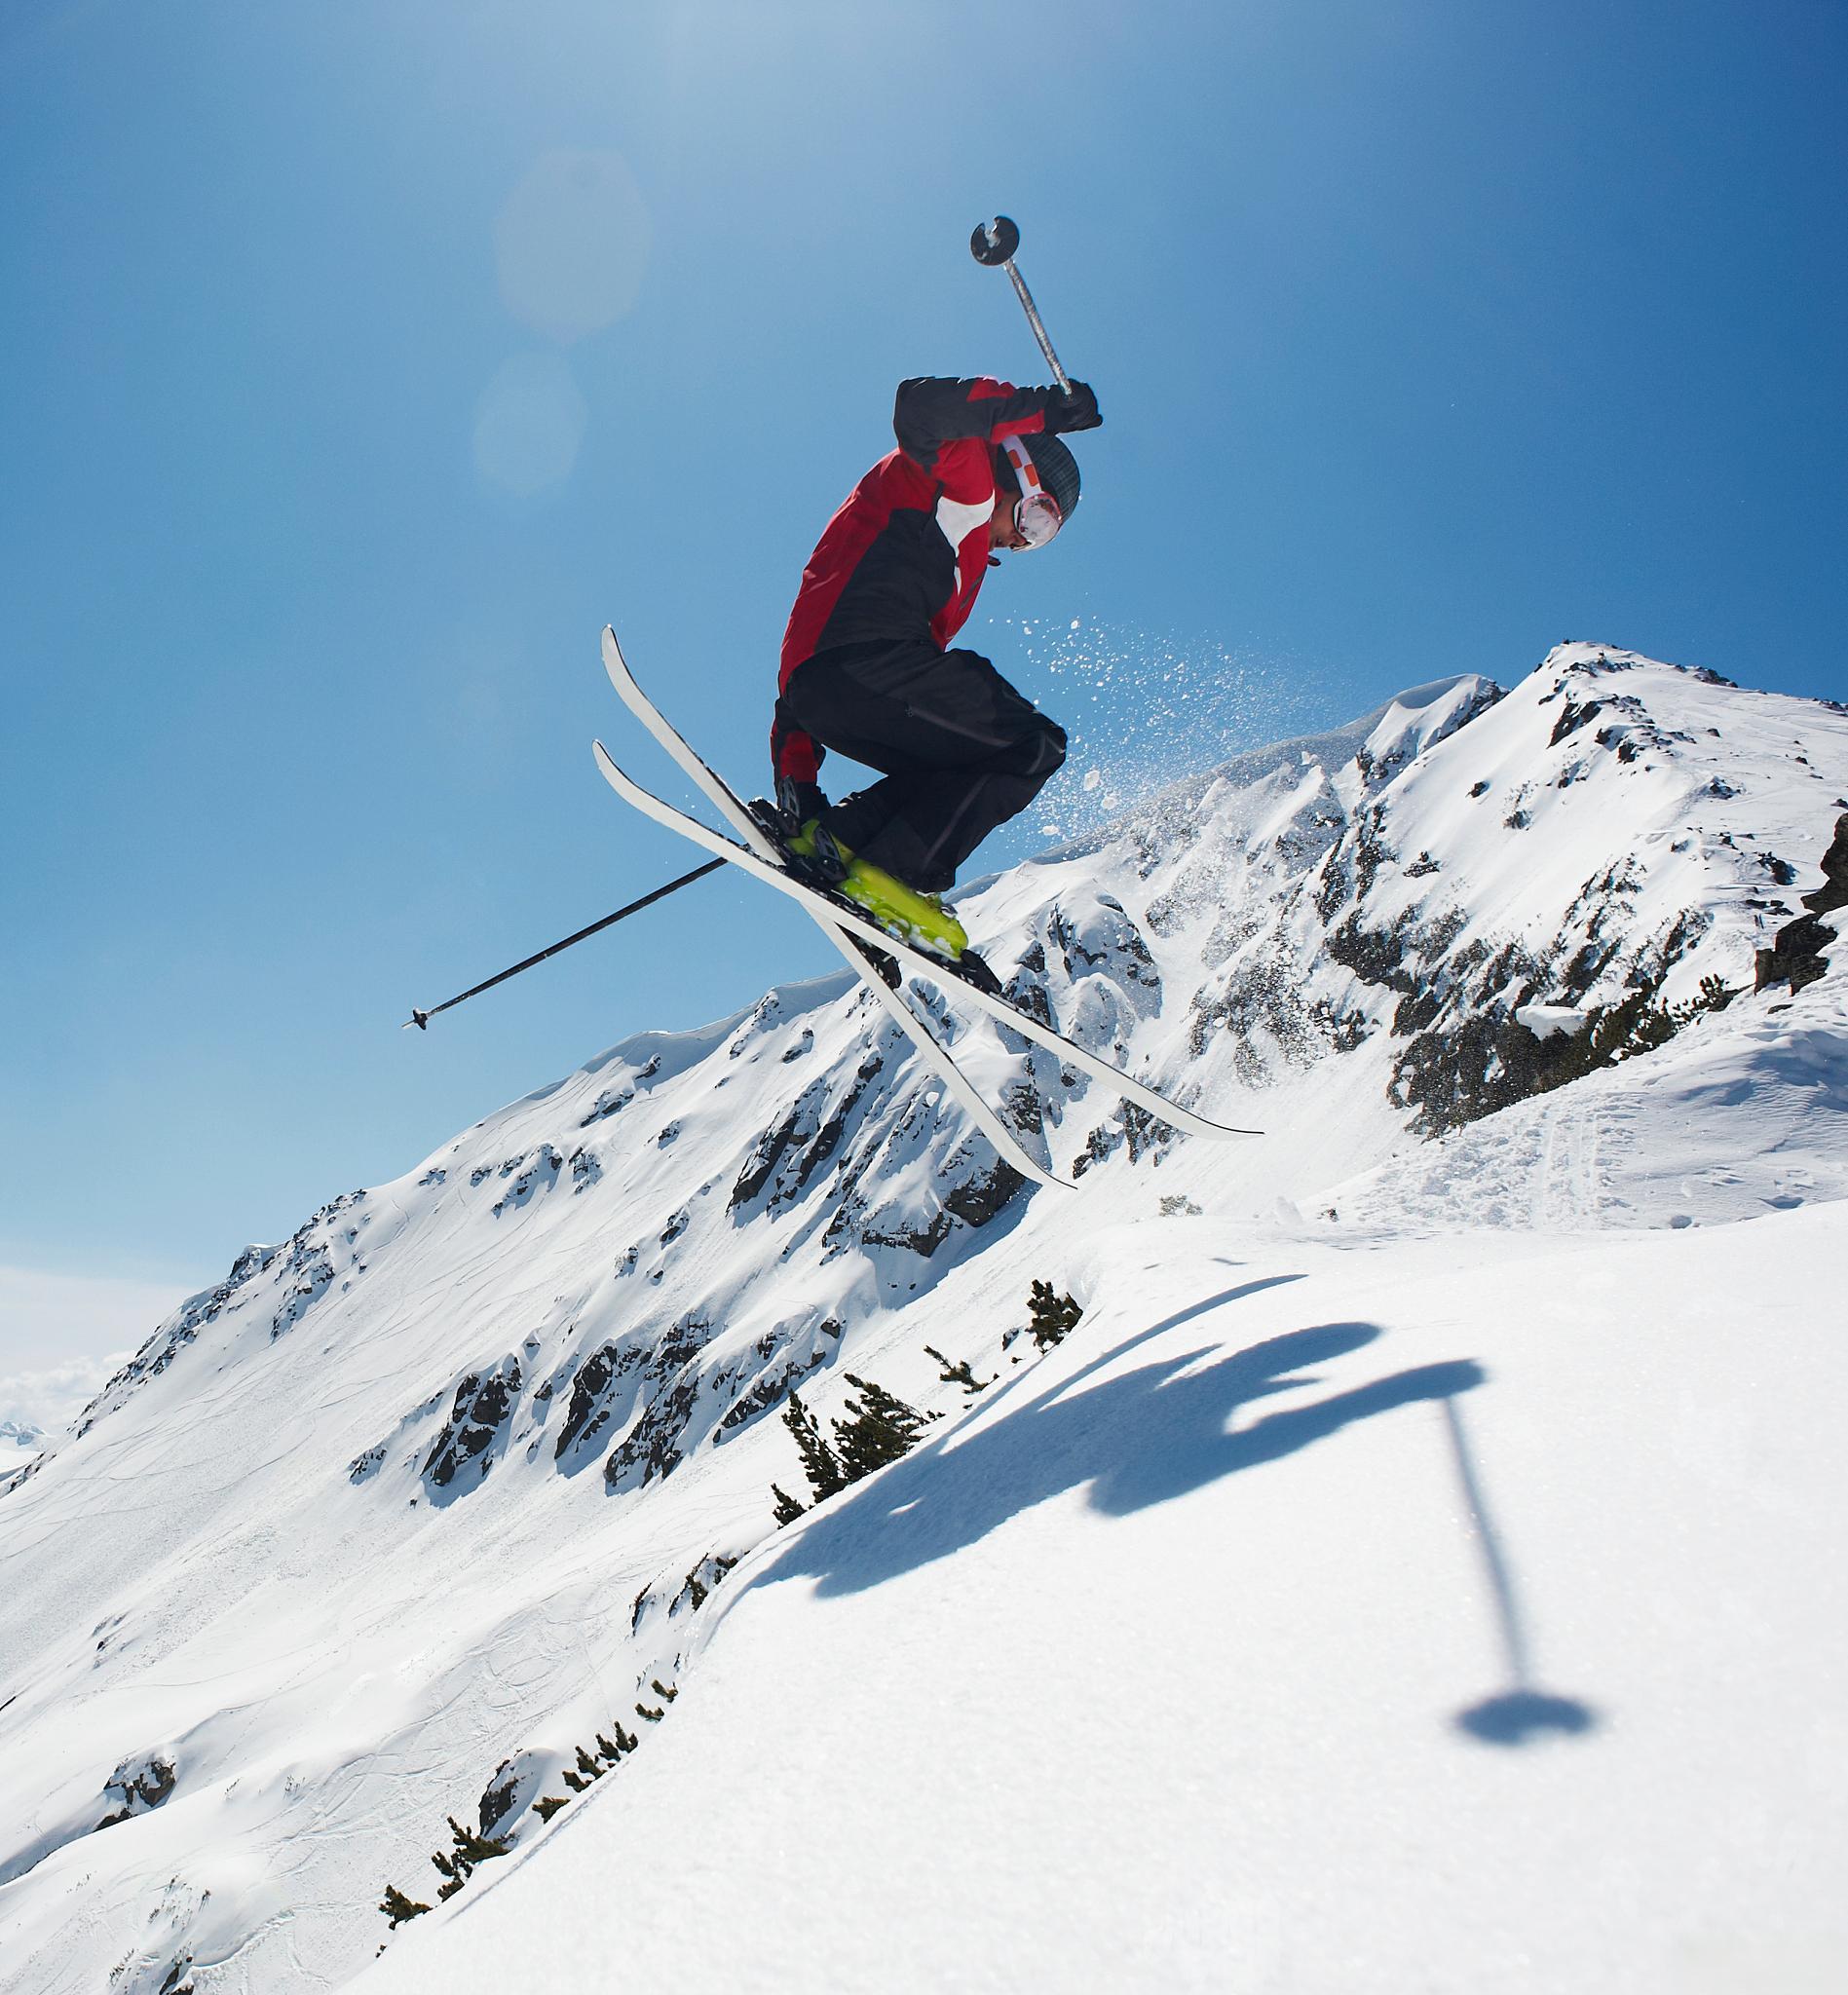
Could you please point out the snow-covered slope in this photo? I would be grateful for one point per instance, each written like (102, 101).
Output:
(413, 1507)
(1462, 1618)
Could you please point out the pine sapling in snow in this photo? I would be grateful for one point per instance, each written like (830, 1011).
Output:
(1050, 1318)
(471, 1849)
(825, 1475)
(879, 1430)
(397, 1907)
(590, 1767)
(694, 1590)
(958, 1374)
(589, 1770)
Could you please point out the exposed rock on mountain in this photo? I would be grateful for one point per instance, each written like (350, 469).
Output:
(1796, 957)
(476, 1432)
(139, 1784)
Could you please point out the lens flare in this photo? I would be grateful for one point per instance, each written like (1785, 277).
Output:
(529, 425)
(570, 244)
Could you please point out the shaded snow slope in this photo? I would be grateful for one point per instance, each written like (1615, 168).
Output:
(422, 1502)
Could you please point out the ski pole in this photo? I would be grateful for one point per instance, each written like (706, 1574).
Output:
(995, 243)
(420, 1019)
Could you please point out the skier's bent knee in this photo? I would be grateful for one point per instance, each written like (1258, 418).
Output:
(1040, 754)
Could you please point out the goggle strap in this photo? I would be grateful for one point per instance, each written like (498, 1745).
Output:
(1025, 469)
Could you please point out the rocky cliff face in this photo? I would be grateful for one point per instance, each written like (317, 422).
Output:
(1797, 957)
(1352, 941)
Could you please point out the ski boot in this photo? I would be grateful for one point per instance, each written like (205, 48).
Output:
(917, 918)
(905, 912)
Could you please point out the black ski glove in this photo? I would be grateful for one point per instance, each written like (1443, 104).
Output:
(1076, 410)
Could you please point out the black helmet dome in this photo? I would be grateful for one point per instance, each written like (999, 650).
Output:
(1058, 470)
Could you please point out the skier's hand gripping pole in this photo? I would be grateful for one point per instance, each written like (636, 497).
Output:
(995, 243)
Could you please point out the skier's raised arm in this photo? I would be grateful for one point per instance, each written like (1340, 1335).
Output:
(950, 427)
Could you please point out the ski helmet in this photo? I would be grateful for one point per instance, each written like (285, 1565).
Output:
(1056, 465)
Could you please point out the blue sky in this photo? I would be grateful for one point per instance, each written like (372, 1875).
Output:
(360, 359)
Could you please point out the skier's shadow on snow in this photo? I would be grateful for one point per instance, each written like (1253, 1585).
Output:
(1138, 1439)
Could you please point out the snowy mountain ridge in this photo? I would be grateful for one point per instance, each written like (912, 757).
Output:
(393, 1520)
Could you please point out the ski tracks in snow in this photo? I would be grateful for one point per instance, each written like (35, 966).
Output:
(1544, 1167)
(1569, 1188)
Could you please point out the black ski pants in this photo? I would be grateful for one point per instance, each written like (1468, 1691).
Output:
(962, 751)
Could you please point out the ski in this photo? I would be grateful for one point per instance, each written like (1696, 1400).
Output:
(716, 790)
(843, 917)
(1005, 1144)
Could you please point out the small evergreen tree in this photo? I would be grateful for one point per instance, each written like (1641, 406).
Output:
(471, 1849)
(958, 1374)
(785, 1509)
(825, 1475)
(880, 1429)
(549, 1805)
(397, 1907)
(694, 1590)
(1050, 1318)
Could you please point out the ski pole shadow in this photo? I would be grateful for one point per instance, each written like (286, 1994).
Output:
(1137, 1438)
(1524, 1712)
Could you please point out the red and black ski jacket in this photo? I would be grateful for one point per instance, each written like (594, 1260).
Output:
(905, 556)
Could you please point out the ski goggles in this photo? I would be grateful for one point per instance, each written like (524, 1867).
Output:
(1037, 514)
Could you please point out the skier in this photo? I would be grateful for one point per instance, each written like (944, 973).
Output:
(866, 668)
